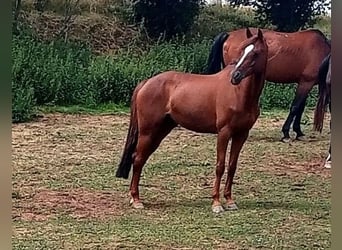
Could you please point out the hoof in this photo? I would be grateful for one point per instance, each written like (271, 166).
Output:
(301, 138)
(232, 206)
(136, 204)
(217, 209)
(327, 164)
(285, 139)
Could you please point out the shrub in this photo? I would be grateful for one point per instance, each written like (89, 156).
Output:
(23, 101)
(280, 96)
(166, 18)
(216, 19)
(65, 74)
(116, 77)
(55, 70)
(302, 13)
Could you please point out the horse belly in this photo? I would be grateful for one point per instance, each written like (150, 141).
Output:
(194, 116)
(200, 126)
(283, 71)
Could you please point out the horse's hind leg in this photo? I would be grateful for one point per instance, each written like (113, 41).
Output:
(297, 120)
(147, 144)
(143, 151)
(302, 92)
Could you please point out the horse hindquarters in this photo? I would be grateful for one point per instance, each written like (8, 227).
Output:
(153, 126)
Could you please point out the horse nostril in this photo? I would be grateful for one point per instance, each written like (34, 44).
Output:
(236, 77)
(237, 74)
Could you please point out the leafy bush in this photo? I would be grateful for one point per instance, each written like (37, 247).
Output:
(116, 77)
(23, 101)
(65, 74)
(55, 70)
(166, 18)
(280, 96)
(303, 12)
(215, 19)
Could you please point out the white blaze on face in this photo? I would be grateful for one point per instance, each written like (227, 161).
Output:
(248, 49)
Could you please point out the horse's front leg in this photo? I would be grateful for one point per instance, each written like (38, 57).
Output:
(237, 142)
(222, 144)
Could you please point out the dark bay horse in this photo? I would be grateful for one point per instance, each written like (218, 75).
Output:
(292, 58)
(225, 103)
(324, 99)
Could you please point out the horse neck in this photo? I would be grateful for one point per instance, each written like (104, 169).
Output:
(249, 91)
(252, 90)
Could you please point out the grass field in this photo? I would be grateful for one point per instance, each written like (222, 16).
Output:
(66, 196)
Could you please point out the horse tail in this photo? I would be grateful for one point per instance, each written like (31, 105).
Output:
(215, 58)
(322, 95)
(131, 140)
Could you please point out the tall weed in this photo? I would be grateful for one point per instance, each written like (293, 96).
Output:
(67, 74)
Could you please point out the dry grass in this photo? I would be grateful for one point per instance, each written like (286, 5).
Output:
(104, 35)
(65, 194)
(90, 6)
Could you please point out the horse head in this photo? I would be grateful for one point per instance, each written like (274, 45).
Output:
(252, 59)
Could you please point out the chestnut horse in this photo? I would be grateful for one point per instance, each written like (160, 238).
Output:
(292, 58)
(324, 99)
(226, 104)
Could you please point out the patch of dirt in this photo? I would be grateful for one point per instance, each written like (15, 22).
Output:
(78, 203)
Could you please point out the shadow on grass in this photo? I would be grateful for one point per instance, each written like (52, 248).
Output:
(277, 139)
(293, 205)
(299, 205)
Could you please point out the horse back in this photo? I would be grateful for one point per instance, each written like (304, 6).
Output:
(291, 56)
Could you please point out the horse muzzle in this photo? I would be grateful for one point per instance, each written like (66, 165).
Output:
(237, 76)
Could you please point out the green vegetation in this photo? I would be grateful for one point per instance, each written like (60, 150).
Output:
(303, 13)
(66, 74)
(166, 18)
(55, 72)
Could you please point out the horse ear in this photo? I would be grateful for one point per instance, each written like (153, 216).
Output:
(248, 33)
(260, 35)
